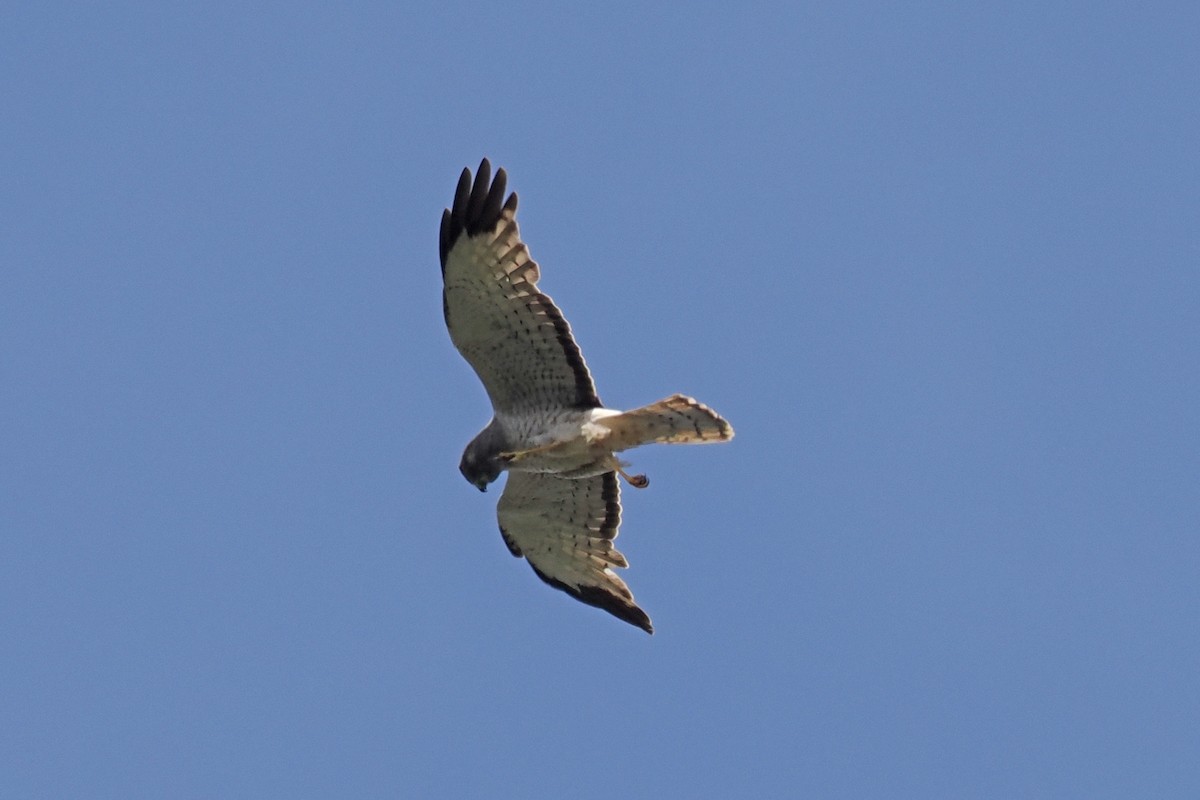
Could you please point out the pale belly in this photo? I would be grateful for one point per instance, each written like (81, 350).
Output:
(572, 447)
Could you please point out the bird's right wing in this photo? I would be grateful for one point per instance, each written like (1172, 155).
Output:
(564, 528)
(513, 336)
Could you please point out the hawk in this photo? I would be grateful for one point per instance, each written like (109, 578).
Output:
(561, 505)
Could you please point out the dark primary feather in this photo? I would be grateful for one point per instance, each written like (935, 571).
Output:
(599, 598)
(475, 209)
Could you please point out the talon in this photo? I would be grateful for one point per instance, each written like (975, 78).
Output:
(636, 481)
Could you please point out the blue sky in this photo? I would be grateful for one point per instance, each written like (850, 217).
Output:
(937, 264)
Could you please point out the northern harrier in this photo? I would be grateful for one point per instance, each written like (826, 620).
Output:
(561, 505)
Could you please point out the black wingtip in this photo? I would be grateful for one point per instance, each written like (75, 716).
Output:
(479, 193)
(636, 618)
(478, 205)
(462, 193)
(624, 610)
(444, 241)
(495, 196)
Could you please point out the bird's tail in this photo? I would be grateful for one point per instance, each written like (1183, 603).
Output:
(674, 420)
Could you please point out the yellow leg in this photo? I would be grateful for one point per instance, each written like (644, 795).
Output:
(636, 481)
(518, 455)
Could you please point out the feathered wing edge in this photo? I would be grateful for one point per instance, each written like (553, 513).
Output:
(564, 529)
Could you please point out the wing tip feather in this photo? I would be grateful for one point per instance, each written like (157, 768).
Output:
(479, 203)
(619, 607)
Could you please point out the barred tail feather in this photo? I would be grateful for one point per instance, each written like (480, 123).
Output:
(675, 420)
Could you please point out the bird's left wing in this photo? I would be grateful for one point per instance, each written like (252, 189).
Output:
(565, 529)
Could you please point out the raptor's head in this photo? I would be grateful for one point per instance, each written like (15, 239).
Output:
(480, 466)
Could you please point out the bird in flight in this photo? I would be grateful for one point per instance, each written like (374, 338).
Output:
(561, 504)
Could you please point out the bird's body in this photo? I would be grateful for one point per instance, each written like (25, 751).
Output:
(561, 505)
(570, 444)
